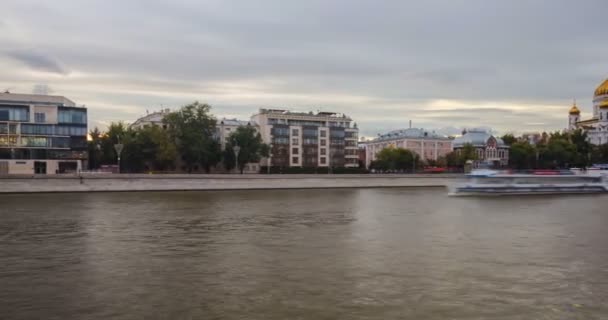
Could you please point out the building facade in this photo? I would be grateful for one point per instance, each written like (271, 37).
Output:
(427, 145)
(154, 118)
(323, 139)
(489, 149)
(596, 127)
(41, 134)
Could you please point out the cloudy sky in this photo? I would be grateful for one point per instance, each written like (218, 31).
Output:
(510, 65)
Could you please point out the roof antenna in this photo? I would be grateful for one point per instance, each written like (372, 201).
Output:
(410, 124)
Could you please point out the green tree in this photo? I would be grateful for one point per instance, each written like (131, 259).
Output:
(94, 149)
(557, 153)
(192, 129)
(509, 139)
(522, 155)
(583, 148)
(599, 154)
(396, 159)
(156, 148)
(458, 158)
(251, 147)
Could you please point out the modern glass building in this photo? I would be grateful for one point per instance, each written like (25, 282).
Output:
(41, 134)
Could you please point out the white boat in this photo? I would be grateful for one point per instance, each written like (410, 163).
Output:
(490, 182)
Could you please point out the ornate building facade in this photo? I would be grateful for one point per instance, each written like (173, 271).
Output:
(597, 126)
(490, 150)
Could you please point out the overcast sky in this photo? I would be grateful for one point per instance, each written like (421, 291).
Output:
(510, 65)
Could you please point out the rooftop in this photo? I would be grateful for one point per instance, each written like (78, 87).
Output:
(236, 122)
(477, 137)
(412, 133)
(6, 97)
(320, 114)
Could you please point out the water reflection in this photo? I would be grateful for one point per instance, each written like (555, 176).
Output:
(307, 254)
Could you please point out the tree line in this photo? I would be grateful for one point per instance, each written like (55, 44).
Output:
(186, 142)
(555, 150)
(403, 160)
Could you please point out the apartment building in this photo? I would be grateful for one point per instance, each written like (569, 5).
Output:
(41, 134)
(299, 139)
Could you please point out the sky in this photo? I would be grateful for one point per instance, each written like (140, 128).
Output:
(513, 66)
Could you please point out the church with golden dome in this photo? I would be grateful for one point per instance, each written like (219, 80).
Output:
(597, 126)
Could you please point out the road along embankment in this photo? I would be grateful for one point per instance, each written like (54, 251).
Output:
(179, 182)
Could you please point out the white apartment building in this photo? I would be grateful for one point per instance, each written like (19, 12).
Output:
(299, 139)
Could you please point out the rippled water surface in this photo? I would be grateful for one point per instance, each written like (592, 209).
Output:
(305, 254)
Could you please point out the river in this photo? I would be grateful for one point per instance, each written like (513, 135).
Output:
(302, 254)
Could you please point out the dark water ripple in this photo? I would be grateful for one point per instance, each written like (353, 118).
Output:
(312, 254)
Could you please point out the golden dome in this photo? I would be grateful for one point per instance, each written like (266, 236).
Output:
(574, 109)
(602, 89)
(604, 104)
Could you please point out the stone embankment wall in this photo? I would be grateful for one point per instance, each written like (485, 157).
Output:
(143, 182)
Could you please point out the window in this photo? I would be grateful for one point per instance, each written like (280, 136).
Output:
(34, 141)
(323, 151)
(323, 142)
(8, 140)
(295, 141)
(294, 160)
(72, 116)
(294, 151)
(280, 140)
(323, 160)
(16, 113)
(323, 133)
(39, 117)
(295, 132)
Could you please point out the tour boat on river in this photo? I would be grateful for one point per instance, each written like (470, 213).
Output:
(491, 182)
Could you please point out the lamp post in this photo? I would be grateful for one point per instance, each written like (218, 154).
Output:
(269, 159)
(118, 148)
(236, 149)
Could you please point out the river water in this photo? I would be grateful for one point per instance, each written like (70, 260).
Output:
(302, 254)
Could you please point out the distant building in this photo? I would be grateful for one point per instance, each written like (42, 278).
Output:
(596, 126)
(225, 127)
(489, 149)
(154, 118)
(41, 134)
(301, 139)
(532, 137)
(427, 145)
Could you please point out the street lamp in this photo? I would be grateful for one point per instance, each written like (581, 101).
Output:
(118, 148)
(236, 149)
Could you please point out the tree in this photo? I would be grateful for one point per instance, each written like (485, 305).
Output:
(580, 140)
(458, 158)
(251, 147)
(522, 155)
(192, 130)
(509, 139)
(557, 153)
(468, 152)
(156, 148)
(600, 154)
(395, 159)
(93, 149)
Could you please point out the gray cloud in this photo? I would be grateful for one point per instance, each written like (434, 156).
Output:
(38, 61)
(382, 63)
